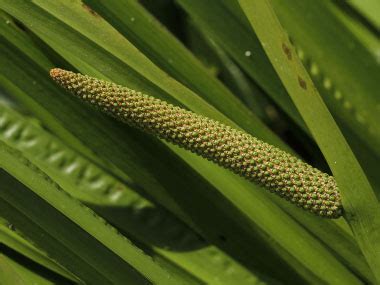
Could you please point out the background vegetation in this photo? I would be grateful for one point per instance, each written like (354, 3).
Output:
(85, 199)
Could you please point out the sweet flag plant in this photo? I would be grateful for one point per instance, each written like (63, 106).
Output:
(189, 142)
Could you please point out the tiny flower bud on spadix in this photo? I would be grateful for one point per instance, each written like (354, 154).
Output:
(233, 149)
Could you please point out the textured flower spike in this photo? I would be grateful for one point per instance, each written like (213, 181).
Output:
(235, 150)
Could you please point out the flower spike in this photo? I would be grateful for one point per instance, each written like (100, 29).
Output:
(233, 149)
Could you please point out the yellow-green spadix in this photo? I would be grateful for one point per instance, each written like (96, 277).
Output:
(233, 149)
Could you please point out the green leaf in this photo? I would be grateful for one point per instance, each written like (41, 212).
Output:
(19, 38)
(350, 94)
(215, 19)
(14, 273)
(14, 241)
(361, 207)
(71, 233)
(369, 9)
(77, 175)
(219, 62)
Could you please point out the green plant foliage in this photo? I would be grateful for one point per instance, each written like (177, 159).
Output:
(362, 209)
(12, 272)
(85, 199)
(95, 243)
(10, 238)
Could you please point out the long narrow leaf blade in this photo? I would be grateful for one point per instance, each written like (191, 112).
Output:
(95, 232)
(362, 209)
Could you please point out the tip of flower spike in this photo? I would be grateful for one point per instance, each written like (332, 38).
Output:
(83, 86)
(64, 78)
(56, 72)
